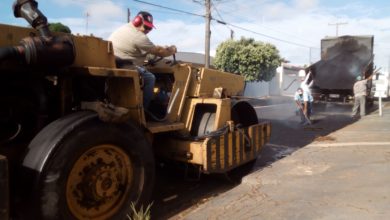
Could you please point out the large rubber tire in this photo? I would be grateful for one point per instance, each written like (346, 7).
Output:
(206, 125)
(95, 171)
(244, 114)
(204, 120)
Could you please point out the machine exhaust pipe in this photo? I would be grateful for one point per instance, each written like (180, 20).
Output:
(44, 50)
(28, 9)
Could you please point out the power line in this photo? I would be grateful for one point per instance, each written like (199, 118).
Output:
(226, 23)
(172, 9)
(264, 26)
(217, 31)
(219, 15)
(153, 11)
(201, 2)
(274, 38)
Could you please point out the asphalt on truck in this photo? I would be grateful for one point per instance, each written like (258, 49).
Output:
(342, 60)
(75, 140)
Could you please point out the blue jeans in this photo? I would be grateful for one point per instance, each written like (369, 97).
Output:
(149, 81)
(148, 78)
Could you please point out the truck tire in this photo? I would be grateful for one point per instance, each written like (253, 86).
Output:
(94, 170)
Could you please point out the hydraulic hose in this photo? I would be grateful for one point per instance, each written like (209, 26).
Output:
(11, 52)
(56, 51)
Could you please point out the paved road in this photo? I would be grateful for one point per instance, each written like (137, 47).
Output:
(175, 196)
(287, 133)
(335, 169)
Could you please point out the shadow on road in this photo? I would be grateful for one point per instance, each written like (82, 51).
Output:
(176, 193)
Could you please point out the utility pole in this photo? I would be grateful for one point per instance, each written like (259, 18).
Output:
(337, 24)
(388, 66)
(208, 33)
(231, 34)
(86, 23)
(128, 15)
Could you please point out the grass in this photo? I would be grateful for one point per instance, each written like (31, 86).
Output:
(140, 214)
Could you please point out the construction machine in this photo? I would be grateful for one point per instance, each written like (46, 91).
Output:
(75, 139)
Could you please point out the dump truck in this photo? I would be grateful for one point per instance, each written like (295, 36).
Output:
(75, 139)
(342, 60)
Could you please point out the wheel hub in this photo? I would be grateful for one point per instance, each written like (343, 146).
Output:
(98, 183)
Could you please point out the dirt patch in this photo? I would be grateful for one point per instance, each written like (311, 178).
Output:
(324, 138)
(312, 129)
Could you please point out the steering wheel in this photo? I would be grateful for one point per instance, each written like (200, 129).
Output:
(156, 59)
(153, 61)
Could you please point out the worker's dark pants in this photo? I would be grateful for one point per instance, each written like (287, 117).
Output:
(309, 112)
(360, 101)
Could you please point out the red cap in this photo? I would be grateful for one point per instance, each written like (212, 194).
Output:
(147, 19)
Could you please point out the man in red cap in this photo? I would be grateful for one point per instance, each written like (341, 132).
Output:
(131, 43)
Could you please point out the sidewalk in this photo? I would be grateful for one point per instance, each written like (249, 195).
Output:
(345, 176)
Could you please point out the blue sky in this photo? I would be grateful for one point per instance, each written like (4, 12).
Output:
(294, 27)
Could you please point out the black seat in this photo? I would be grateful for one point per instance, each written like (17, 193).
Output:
(124, 63)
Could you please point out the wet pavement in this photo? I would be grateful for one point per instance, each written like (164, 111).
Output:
(336, 168)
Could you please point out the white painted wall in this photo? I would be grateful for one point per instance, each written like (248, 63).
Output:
(256, 89)
(275, 83)
(285, 82)
(290, 82)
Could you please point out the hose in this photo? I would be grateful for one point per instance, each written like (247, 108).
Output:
(219, 132)
(13, 135)
(57, 51)
(11, 52)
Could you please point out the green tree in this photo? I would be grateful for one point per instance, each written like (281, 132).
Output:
(255, 60)
(59, 27)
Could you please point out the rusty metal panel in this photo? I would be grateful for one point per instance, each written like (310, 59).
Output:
(230, 150)
(93, 51)
(13, 34)
(182, 76)
(205, 81)
(4, 196)
(182, 150)
(221, 153)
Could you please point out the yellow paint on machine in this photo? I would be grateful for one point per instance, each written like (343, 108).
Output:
(245, 143)
(221, 153)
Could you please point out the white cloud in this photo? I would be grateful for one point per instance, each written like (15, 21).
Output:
(104, 12)
(299, 21)
(305, 4)
(70, 2)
